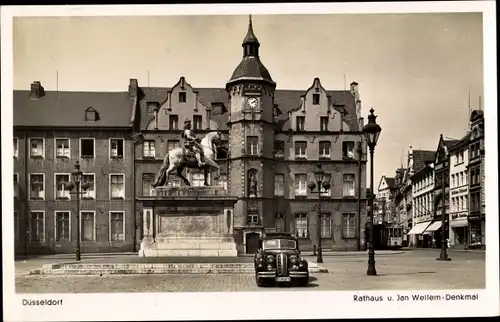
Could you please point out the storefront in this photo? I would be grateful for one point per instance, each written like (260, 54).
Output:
(476, 238)
(459, 233)
(416, 237)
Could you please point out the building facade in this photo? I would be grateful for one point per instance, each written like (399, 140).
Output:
(476, 169)
(384, 202)
(459, 193)
(422, 209)
(52, 131)
(272, 139)
(441, 194)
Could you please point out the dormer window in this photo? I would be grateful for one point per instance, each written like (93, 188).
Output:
(316, 99)
(91, 115)
(300, 120)
(182, 97)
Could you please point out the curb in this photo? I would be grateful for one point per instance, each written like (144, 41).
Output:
(141, 269)
(345, 254)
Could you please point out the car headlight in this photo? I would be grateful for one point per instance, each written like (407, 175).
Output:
(294, 259)
(270, 258)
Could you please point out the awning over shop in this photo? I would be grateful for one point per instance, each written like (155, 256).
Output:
(459, 223)
(419, 228)
(433, 227)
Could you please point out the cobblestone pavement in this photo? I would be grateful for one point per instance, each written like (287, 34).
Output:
(409, 270)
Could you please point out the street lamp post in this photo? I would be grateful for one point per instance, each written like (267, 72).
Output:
(443, 256)
(372, 131)
(319, 175)
(81, 188)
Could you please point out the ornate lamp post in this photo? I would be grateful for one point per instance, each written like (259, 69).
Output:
(81, 188)
(443, 256)
(372, 131)
(319, 175)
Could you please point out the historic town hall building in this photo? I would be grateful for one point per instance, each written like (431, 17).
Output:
(273, 136)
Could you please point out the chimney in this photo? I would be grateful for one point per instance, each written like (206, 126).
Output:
(357, 98)
(36, 90)
(303, 101)
(133, 88)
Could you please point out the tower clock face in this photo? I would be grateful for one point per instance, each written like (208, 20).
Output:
(252, 102)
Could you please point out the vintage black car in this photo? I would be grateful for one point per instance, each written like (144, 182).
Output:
(278, 260)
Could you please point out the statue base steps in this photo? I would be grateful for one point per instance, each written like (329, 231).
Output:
(196, 247)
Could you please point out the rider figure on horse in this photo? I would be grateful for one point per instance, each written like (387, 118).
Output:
(192, 143)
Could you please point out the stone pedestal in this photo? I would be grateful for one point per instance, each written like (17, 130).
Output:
(189, 221)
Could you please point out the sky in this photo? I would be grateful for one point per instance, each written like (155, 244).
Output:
(414, 69)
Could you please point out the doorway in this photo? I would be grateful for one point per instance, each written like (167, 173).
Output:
(252, 243)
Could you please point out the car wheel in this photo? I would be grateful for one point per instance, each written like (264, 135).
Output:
(260, 281)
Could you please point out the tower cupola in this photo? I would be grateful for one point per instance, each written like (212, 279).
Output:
(250, 67)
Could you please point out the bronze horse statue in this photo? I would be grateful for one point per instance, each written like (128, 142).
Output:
(180, 158)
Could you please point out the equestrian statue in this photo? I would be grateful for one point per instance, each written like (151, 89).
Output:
(196, 154)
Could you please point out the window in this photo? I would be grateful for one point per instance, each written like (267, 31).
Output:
(349, 185)
(454, 205)
(465, 205)
(87, 148)
(116, 226)
(173, 144)
(326, 226)
(453, 180)
(16, 227)
(472, 176)
(37, 186)
(477, 176)
(222, 150)
(279, 185)
(253, 219)
(16, 185)
(60, 186)
(197, 124)
(279, 223)
(198, 179)
(117, 186)
(148, 149)
(323, 123)
(252, 145)
(316, 99)
(348, 226)
(466, 177)
(182, 97)
(62, 148)
(16, 147)
(300, 120)
(324, 192)
(173, 122)
(147, 184)
(116, 148)
(301, 225)
(37, 148)
(37, 226)
(279, 149)
(90, 179)
(222, 181)
(300, 149)
(87, 225)
(301, 185)
(348, 150)
(324, 149)
(63, 226)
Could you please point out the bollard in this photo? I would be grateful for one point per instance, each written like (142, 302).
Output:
(314, 250)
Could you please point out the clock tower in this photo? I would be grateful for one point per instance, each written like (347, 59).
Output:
(251, 144)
